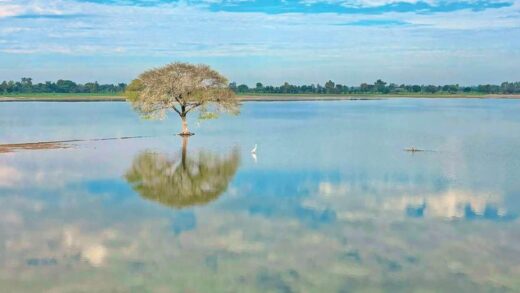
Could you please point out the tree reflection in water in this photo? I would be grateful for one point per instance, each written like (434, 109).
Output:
(194, 179)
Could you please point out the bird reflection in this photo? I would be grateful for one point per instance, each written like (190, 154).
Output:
(192, 179)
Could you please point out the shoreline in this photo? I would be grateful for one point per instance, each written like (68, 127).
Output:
(265, 98)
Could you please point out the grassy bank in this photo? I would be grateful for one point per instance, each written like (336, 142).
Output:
(326, 97)
(374, 95)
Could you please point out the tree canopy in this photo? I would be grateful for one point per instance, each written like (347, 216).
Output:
(181, 87)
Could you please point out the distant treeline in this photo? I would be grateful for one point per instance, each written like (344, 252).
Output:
(61, 86)
(25, 85)
(378, 87)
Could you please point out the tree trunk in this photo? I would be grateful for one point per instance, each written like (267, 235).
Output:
(185, 130)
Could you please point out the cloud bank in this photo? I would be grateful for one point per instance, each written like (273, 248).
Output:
(272, 41)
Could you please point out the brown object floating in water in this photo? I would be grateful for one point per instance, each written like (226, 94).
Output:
(413, 150)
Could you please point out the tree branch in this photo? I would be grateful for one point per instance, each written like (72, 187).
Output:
(193, 107)
(176, 110)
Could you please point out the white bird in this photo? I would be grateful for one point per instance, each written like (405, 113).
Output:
(253, 151)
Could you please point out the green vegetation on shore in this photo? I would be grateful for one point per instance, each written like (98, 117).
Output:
(240, 95)
(61, 95)
(379, 87)
(66, 90)
(56, 97)
(26, 86)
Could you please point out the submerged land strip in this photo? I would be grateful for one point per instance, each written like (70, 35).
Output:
(9, 148)
(51, 145)
(257, 97)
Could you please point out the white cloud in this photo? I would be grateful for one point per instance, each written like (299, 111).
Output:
(361, 3)
(178, 31)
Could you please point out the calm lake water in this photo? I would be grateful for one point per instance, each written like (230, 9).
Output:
(330, 203)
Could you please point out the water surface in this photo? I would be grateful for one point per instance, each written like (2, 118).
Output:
(330, 203)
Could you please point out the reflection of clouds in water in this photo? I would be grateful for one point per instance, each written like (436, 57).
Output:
(235, 242)
(452, 161)
(95, 254)
(225, 243)
(45, 178)
(9, 177)
(11, 218)
(51, 244)
(448, 204)
(14, 207)
(41, 176)
(53, 169)
(328, 189)
(91, 251)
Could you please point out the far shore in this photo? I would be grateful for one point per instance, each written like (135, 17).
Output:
(256, 97)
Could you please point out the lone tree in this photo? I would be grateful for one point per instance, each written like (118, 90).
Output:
(181, 87)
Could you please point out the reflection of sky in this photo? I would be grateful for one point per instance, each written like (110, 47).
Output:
(332, 196)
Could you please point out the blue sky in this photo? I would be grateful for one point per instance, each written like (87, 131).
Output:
(299, 41)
